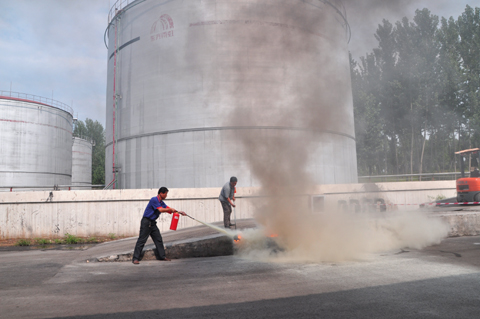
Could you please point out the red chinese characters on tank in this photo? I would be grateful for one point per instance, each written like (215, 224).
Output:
(162, 28)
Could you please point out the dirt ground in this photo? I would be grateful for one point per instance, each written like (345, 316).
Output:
(14, 241)
(7, 242)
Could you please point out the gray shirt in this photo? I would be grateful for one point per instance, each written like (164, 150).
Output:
(227, 192)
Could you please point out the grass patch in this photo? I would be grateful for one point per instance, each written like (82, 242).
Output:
(67, 239)
(42, 241)
(71, 239)
(23, 242)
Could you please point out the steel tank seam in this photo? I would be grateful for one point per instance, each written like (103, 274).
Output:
(27, 172)
(123, 46)
(231, 128)
(39, 124)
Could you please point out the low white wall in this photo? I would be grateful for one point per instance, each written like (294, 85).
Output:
(87, 213)
(397, 196)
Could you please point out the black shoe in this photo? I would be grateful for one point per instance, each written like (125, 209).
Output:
(136, 262)
(233, 225)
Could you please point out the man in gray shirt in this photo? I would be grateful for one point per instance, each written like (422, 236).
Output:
(227, 197)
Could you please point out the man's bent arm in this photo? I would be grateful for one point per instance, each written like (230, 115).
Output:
(170, 210)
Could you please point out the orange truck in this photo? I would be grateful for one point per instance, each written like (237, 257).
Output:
(468, 188)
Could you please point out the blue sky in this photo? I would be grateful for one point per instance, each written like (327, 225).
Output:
(56, 47)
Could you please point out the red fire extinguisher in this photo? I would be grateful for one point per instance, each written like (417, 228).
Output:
(175, 218)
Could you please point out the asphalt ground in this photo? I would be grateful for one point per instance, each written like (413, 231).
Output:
(440, 281)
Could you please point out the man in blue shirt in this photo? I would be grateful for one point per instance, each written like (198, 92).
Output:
(148, 225)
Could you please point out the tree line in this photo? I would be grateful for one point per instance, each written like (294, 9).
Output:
(417, 95)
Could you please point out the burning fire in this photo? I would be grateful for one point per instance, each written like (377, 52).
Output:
(238, 237)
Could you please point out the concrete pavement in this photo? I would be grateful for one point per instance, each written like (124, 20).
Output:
(440, 281)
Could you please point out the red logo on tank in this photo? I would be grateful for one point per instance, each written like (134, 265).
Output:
(162, 28)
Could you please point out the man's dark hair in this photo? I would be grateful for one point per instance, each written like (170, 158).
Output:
(163, 190)
(233, 179)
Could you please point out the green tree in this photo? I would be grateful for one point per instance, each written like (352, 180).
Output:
(388, 94)
(367, 116)
(417, 96)
(426, 26)
(80, 129)
(469, 50)
(95, 132)
(450, 112)
(416, 85)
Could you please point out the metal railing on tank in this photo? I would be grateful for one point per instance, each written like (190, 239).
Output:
(36, 98)
(410, 177)
(49, 188)
(117, 6)
(120, 6)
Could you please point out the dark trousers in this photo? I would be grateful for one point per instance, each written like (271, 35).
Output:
(149, 228)
(227, 211)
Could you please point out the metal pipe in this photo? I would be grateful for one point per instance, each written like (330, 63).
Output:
(410, 175)
(114, 103)
(235, 215)
(48, 187)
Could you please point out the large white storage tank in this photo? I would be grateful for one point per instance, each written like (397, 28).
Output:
(35, 141)
(81, 163)
(179, 70)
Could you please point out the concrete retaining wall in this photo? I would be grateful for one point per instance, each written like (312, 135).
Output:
(88, 213)
(462, 223)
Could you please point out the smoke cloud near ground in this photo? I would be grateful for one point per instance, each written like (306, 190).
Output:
(304, 94)
(343, 236)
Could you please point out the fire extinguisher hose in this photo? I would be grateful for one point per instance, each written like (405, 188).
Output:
(212, 226)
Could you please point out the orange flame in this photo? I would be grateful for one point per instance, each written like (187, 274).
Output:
(237, 238)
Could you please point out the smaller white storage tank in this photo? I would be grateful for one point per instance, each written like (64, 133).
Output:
(35, 141)
(81, 163)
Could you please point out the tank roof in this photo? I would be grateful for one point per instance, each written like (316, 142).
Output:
(24, 97)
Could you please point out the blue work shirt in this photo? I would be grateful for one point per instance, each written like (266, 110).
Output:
(151, 212)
